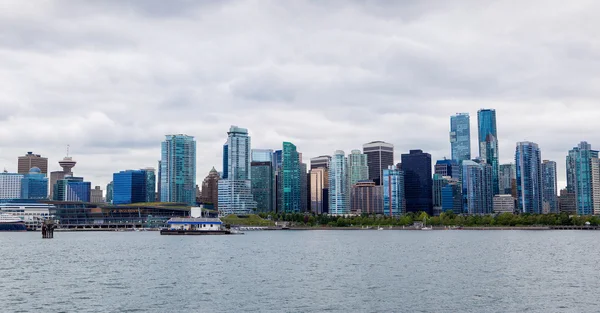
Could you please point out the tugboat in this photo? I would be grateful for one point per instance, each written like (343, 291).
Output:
(196, 226)
(11, 223)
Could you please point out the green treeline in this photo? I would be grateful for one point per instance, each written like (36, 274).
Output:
(445, 219)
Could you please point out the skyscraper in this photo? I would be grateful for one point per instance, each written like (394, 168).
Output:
(262, 155)
(460, 137)
(109, 192)
(367, 198)
(34, 185)
(319, 181)
(29, 161)
(358, 170)
(262, 185)
(439, 182)
(210, 188)
(129, 187)
(72, 189)
(67, 164)
(452, 197)
(225, 160)
(10, 185)
(393, 191)
(507, 180)
(291, 179)
(448, 168)
(418, 185)
(150, 184)
(529, 177)
(304, 187)
(477, 187)
(549, 187)
(380, 155)
(178, 169)
(96, 195)
(338, 185)
(488, 143)
(582, 179)
(320, 162)
(235, 192)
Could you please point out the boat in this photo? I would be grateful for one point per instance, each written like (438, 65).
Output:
(425, 225)
(11, 223)
(196, 226)
(379, 228)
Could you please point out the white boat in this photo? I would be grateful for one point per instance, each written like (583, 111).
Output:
(379, 228)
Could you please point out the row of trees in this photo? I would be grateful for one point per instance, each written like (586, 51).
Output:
(445, 219)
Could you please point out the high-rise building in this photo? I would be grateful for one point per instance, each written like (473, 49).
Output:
(452, 197)
(338, 185)
(460, 137)
(549, 187)
(477, 187)
(10, 185)
(393, 191)
(380, 155)
(262, 185)
(319, 181)
(504, 203)
(528, 162)
(448, 168)
(439, 182)
(583, 179)
(210, 188)
(262, 155)
(67, 164)
(109, 193)
(96, 195)
(507, 180)
(225, 161)
(178, 170)
(567, 202)
(150, 184)
(34, 185)
(291, 179)
(358, 170)
(304, 187)
(418, 184)
(72, 189)
(488, 143)
(320, 162)
(29, 161)
(129, 187)
(235, 192)
(367, 198)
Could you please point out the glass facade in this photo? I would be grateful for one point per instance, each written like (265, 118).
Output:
(72, 189)
(225, 161)
(488, 143)
(262, 155)
(129, 187)
(452, 198)
(549, 187)
(10, 185)
(380, 155)
(338, 185)
(448, 168)
(235, 197)
(507, 180)
(358, 169)
(393, 191)
(291, 179)
(477, 188)
(439, 182)
(581, 178)
(262, 185)
(150, 185)
(318, 182)
(34, 185)
(418, 184)
(529, 177)
(460, 137)
(109, 192)
(178, 169)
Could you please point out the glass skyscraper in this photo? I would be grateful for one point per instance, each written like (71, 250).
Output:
(393, 191)
(418, 184)
(338, 185)
(178, 169)
(129, 187)
(488, 143)
(507, 180)
(150, 184)
(225, 161)
(549, 187)
(291, 179)
(477, 188)
(460, 137)
(528, 162)
(358, 169)
(72, 189)
(262, 185)
(380, 155)
(34, 185)
(583, 178)
(448, 168)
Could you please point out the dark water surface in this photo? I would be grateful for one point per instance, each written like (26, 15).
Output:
(302, 271)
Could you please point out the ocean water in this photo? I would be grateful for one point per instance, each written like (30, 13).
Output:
(302, 271)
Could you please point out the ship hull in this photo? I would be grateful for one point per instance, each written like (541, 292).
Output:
(194, 232)
(13, 227)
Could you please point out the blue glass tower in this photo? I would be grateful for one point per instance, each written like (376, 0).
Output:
(34, 185)
(129, 187)
(339, 199)
(529, 177)
(178, 169)
(72, 189)
(418, 184)
(488, 143)
(150, 184)
(291, 179)
(460, 137)
(477, 188)
(393, 191)
(582, 175)
(225, 161)
(549, 187)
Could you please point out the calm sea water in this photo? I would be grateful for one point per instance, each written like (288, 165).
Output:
(302, 271)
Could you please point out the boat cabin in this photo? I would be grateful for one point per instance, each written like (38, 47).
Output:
(195, 223)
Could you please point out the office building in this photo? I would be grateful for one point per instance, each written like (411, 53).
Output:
(504, 204)
(129, 187)
(549, 187)
(367, 198)
(210, 188)
(477, 187)
(235, 197)
(109, 193)
(567, 202)
(529, 177)
(460, 137)
(262, 155)
(178, 170)
(150, 184)
(338, 185)
(582, 178)
(380, 155)
(10, 185)
(291, 179)
(320, 162)
(393, 191)
(319, 180)
(448, 168)
(439, 182)
(29, 161)
(488, 143)
(72, 189)
(262, 185)
(304, 187)
(96, 195)
(418, 184)
(507, 180)
(225, 161)
(358, 170)
(34, 185)
(452, 199)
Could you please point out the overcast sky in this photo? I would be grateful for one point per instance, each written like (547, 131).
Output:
(112, 77)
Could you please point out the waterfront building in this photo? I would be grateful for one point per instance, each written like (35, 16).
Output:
(129, 187)
(380, 155)
(460, 137)
(178, 169)
(235, 192)
(477, 187)
(67, 164)
(448, 168)
(29, 161)
(418, 184)
(109, 193)
(504, 204)
(10, 185)
(96, 195)
(567, 202)
(583, 178)
(210, 188)
(393, 192)
(529, 177)
(488, 143)
(439, 182)
(262, 155)
(452, 197)
(262, 185)
(507, 180)
(367, 198)
(72, 189)
(338, 185)
(320, 162)
(150, 184)
(32, 213)
(34, 185)
(319, 181)
(549, 187)
(291, 180)
(358, 169)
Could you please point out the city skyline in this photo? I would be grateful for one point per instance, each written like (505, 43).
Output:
(67, 87)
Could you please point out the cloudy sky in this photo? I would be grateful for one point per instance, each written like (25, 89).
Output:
(111, 78)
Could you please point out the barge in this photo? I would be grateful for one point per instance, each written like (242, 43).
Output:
(196, 226)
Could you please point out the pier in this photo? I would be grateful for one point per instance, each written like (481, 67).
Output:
(48, 229)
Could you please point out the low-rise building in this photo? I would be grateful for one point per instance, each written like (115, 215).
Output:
(504, 204)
